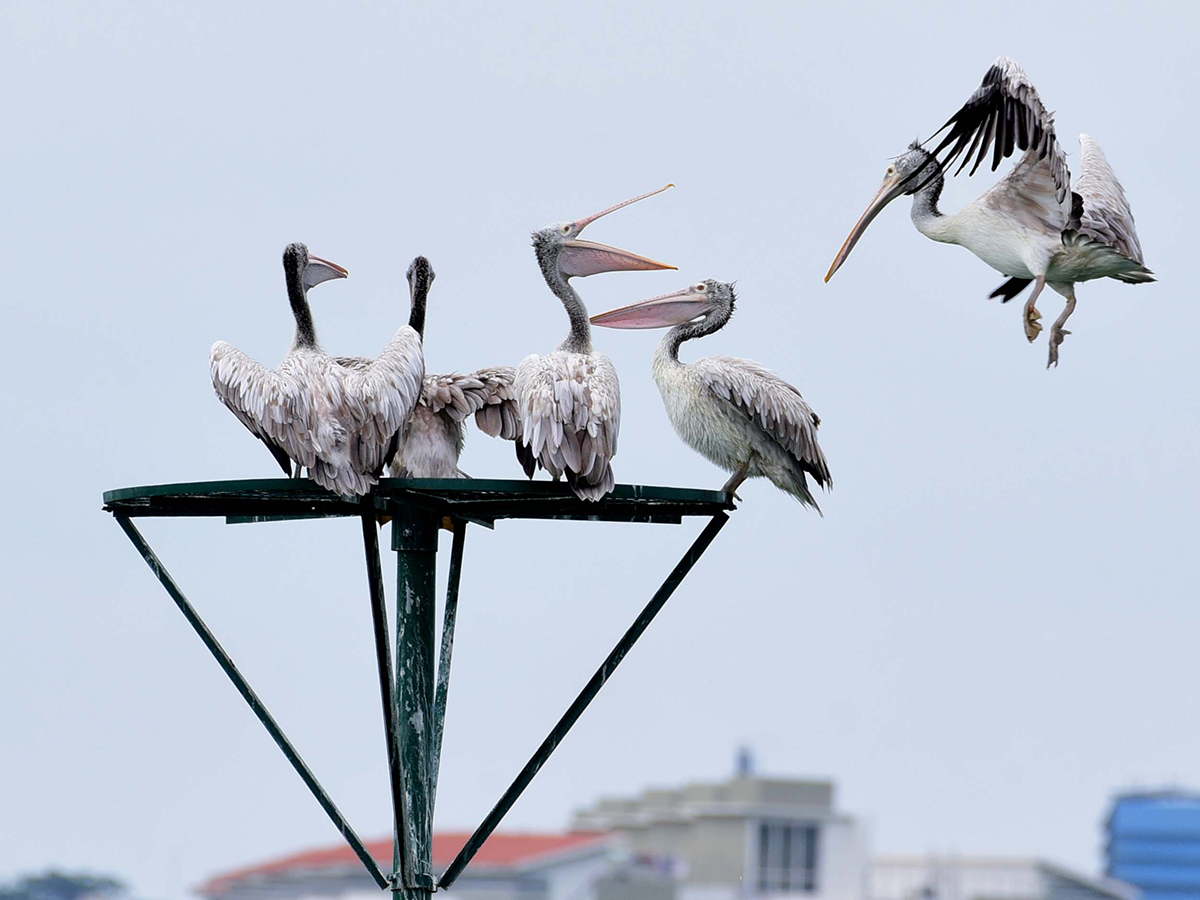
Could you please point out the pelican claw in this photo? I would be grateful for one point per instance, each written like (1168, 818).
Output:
(1056, 337)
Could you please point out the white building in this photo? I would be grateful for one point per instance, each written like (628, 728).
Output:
(747, 836)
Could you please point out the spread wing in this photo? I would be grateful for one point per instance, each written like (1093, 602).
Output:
(1004, 113)
(378, 396)
(275, 406)
(498, 414)
(770, 403)
(1028, 195)
(1106, 215)
(487, 393)
(570, 414)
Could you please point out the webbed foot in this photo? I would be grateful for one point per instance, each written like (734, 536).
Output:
(1032, 327)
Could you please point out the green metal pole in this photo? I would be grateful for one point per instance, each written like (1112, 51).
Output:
(414, 538)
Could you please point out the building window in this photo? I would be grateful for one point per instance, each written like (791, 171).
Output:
(787, 858)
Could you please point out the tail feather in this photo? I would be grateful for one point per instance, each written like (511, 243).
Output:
(1010, 288)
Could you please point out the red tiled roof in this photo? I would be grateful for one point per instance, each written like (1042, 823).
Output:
(500, 851)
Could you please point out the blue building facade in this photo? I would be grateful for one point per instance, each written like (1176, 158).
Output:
(1154, 844)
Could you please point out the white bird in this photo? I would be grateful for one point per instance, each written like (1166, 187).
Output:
(570, 399)
(742, 417)
(340, 425)
(1033, 225)
(434, 437)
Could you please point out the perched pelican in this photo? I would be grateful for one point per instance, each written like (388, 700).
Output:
(1033, 226)
(742, 417)
(340, 425)
(570, 400)
(434, 437)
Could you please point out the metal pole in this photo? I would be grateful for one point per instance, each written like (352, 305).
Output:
(247, 692)
(645, 617)
(449, 617)
(387, 693)
(414, 538)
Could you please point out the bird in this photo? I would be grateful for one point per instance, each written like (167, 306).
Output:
(569, 400)
(1033, 225)
(741, 416)
(434, 437)
(339, 424)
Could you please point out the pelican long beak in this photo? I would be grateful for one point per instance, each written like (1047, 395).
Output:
(657, 312)
(579, 258)
(583, 223)
(893, 186)
(319, 270)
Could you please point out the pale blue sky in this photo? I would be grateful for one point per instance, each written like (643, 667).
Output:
(993, 627)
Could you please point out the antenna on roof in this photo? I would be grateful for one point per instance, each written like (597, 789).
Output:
(743, 762)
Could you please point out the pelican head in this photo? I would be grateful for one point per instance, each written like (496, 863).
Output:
(711, 301)
(563, 255)
(420, 276)
(309, 270)
(907, 174)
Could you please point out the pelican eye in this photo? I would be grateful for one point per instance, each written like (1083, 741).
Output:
(891, 170)
(566, 229)
(700, 286)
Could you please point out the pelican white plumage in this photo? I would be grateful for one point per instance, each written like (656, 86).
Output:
(741, 416)
(434, 437)
(341, 425)
(570, 400)
(1032, 226)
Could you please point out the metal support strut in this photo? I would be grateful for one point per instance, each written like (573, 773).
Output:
(575, 710)
(383, 656)
(251, 698)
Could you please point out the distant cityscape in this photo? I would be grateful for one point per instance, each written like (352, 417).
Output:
(751, 836)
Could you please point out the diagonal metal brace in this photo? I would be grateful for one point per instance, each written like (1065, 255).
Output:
(383, 656)
(645, 617)
(450, 616)
(252, 699)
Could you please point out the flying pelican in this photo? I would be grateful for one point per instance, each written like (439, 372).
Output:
(339, 425)
(570, 399)
(742, 417)
(434, 437)
(1033, 225)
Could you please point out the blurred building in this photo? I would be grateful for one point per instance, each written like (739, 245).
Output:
(748, 837)
(983, 878)
(1153, 842)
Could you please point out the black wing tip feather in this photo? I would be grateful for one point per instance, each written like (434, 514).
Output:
(1010, 288)
(525, 457)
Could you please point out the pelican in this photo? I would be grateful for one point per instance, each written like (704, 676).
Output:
(1033, 225)
(339, 425)
(742, 417)
(570, 400)
(433, 440)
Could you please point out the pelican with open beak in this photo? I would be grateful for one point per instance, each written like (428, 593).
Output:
(570, 400)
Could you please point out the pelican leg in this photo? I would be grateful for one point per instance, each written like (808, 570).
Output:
(1057, 332)
(736, 479)
(1032, 327)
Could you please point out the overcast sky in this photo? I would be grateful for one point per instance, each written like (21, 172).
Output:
(992, 629)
